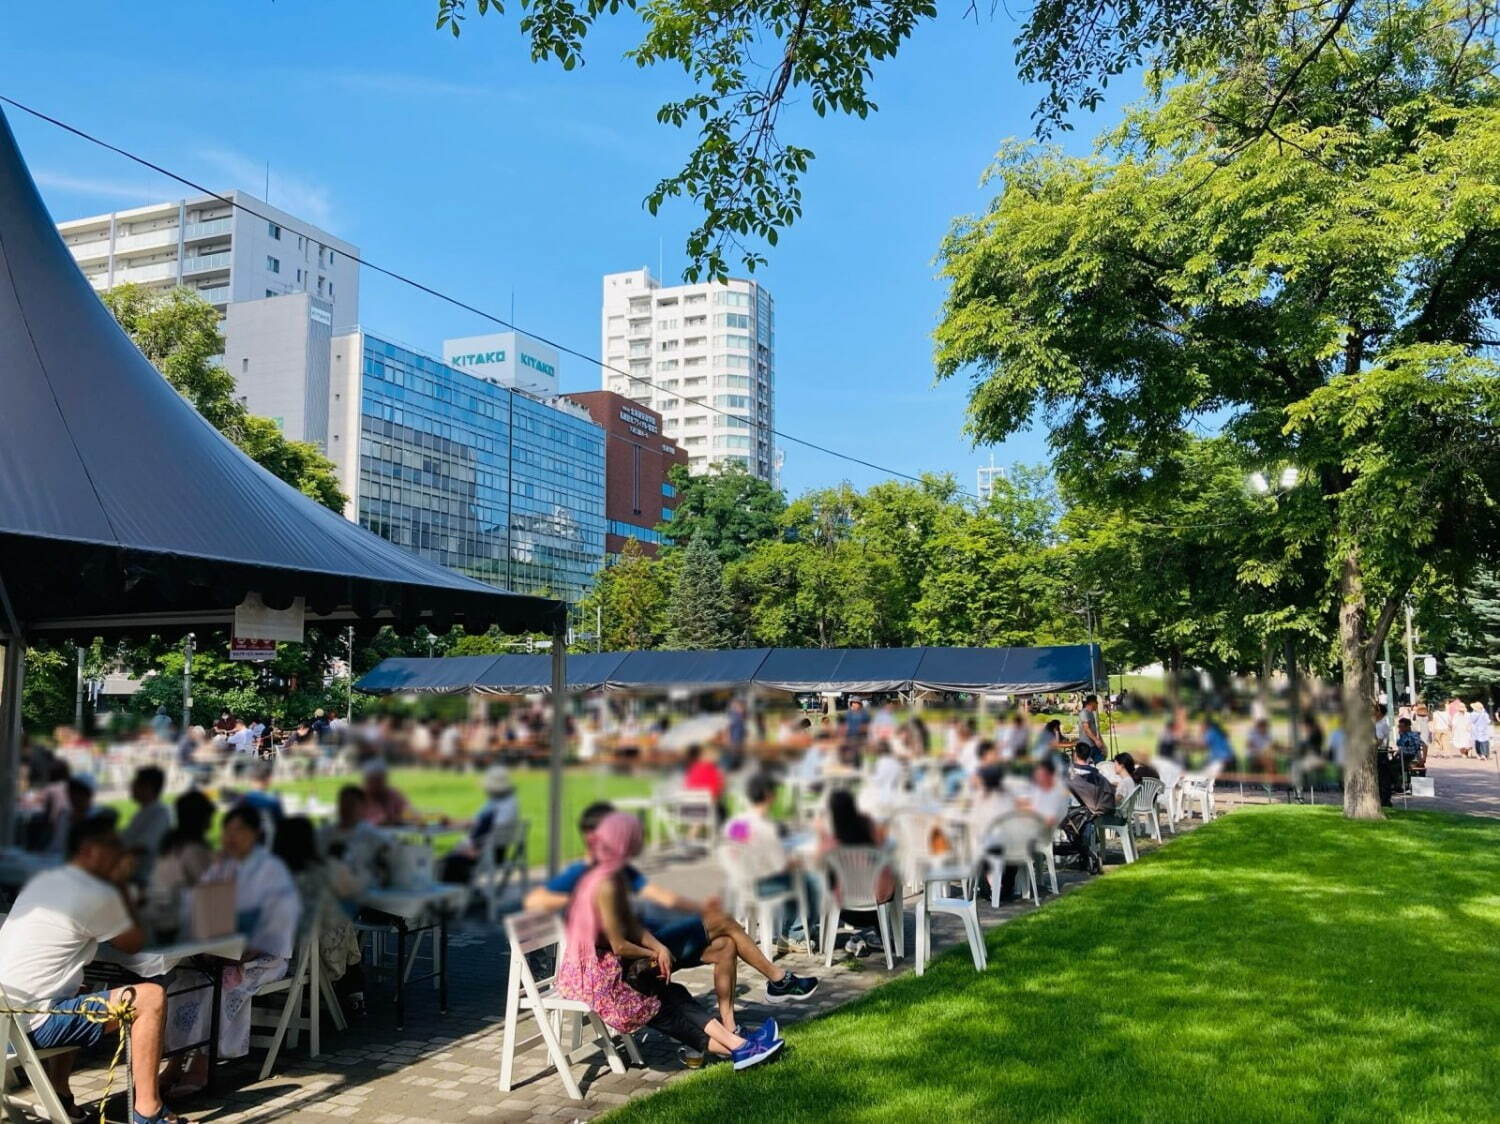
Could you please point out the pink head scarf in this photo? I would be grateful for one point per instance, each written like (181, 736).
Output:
(614, 843)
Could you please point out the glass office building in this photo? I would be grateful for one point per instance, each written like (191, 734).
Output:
(475, 476)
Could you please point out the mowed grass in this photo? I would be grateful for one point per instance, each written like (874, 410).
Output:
(458, 796)
(1278, 964)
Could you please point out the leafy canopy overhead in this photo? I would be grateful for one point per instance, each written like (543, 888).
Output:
(746, 60)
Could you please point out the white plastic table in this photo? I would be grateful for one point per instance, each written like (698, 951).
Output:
(416, 910)
(151, 962)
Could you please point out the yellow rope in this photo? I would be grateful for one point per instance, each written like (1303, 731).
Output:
(100, 1011)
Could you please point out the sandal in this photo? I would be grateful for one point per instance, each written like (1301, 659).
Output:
(163, 1115)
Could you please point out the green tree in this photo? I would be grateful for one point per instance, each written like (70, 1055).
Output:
(179, 332)
(629, 600)
(746, 58)
(1473, 656)
(729, 509)
(1322, 284)
(699, 613)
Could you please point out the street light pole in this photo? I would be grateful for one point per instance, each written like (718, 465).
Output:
(349, 672)
(187, 682)
(1411, 661)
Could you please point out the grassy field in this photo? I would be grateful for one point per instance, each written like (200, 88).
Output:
(458, 796)
(1280, 963)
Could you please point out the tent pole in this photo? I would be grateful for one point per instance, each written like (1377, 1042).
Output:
(12, 683)
(559, 743)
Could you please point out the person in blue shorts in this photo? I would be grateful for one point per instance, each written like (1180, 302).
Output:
(54, 929)
(705, 935)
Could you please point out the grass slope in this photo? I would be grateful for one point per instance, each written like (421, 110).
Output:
(1280, 963)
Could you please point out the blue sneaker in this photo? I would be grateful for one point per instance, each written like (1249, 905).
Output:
(768, 1031)
(753, 1052)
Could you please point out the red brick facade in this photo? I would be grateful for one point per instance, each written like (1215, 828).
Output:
(637, 457)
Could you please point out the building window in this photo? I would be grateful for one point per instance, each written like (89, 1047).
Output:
(667, 490)
(270, 292)
(244, 365)
(731, 320)
(273, 264)
(666, 514)
(695, 298)
(275, 230)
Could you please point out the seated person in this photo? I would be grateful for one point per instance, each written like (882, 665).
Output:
(849, 827)
(707, 936)
(322, 883)
(78, 806)
(260, 797)
(385, 806)
(759, 838)
(267, 911)
(361, 846)
(185, 855)
(152, 821)
(54, 929)
(496, 820)
(624, 974)
(1118, 774)
(700, 774)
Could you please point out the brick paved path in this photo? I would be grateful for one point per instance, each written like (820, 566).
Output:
(446, 1068)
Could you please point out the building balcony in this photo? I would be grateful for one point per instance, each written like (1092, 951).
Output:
(144, 274)
(194, 231)
(205, 263)
(217, 295)
(146, 240)
(96, 250)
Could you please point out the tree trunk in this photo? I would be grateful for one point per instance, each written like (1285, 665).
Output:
(1361, 786)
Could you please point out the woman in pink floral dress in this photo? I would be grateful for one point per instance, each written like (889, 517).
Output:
(624, 973)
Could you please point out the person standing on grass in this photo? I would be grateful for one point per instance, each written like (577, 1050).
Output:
(1088, 729)
(1479, 729)
(54, 929)
(614, 964)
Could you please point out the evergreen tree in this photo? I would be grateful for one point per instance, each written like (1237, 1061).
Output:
(699, 614)
(1474, 659)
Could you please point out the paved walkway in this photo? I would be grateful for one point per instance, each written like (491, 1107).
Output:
(1461, 784)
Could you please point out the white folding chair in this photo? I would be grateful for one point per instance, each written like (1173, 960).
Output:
(536, 932)
(685, 814)
(502, 856)
(1146, 811)
(1014, 839)
(1121, 824)
(760, 913)
(853, 876)
(937, 897)
(305, 979)
(20, 1054)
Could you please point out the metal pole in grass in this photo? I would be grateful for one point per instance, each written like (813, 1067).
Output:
(559, 742)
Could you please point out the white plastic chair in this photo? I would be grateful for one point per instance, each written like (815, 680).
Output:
(685, 814)
(536, 932)
(853, 874)
(937, 898)
(1014, 839)
(760, 913)
(20, 1054)
(502, 856)
(1146, 806)
(1199, 790)
(912, 833)
(1121, 824)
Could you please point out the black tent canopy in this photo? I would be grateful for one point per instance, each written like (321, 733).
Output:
(1017, 671)
(122, 510)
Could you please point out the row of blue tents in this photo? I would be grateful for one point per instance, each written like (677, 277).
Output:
(1014, 671)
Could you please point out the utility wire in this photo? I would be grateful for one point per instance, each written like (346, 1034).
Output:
(395, 275)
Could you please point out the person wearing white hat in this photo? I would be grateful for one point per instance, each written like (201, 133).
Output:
(1479, 729)
(495, 821)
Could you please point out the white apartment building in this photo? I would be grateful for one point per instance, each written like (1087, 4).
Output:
(223, 252)
(702, 356)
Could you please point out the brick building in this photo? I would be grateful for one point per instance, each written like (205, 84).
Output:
(637, 457)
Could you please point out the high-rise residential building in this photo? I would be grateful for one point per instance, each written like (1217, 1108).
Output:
(701, 356)
(638, 496)
(221, 251)
(480, 477)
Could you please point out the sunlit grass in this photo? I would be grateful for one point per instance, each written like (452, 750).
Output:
(1280, 963)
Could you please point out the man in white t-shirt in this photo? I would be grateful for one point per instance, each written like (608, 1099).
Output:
(1047, 800)
(54, 929)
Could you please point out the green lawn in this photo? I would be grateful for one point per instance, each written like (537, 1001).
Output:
(1280, 963)
(458, 796)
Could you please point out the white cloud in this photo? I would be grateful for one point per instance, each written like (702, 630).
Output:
(120, 190)
(290, 192)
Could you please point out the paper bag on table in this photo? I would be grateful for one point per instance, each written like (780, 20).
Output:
(211, 910)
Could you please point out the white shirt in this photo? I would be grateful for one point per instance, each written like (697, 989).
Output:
(888, 774)
(53, 931)
(1050, 803)
(763, 851)
(147, 828)
(1479, 724)
(242, 741)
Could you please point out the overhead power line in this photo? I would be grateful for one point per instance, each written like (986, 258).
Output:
(456, 302)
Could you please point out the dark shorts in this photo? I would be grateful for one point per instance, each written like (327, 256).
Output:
(685, 940)
(70, 1030)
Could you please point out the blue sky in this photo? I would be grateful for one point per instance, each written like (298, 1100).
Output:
(468, 167)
